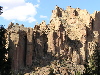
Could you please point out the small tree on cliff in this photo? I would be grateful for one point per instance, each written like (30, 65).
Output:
(96, 63)
(93, 68)
(4, 61)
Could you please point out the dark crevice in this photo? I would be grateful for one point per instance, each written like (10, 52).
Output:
(25, 51)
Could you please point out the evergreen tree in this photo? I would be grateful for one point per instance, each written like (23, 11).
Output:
(4, 61)
(96, 59)
(93, 66)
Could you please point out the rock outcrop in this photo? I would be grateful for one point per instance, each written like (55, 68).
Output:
(68, 40)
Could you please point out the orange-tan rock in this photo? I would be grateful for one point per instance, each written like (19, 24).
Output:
(72, 35)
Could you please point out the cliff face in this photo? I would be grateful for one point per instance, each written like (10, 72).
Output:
(71, 35)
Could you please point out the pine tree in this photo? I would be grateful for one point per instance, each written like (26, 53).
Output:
(96, 59)
(4, 61)
(93, 66)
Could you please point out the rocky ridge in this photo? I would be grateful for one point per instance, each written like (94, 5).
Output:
(61, 47)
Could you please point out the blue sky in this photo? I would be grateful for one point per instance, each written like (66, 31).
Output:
(29, 12)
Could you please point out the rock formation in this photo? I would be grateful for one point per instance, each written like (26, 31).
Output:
(69, 39)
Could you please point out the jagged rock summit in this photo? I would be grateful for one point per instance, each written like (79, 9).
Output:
(63, 45)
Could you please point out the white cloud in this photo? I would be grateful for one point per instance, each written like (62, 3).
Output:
(13, 21)
(38, 0)
(18, 10)
(31, 19)
(41, 16)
